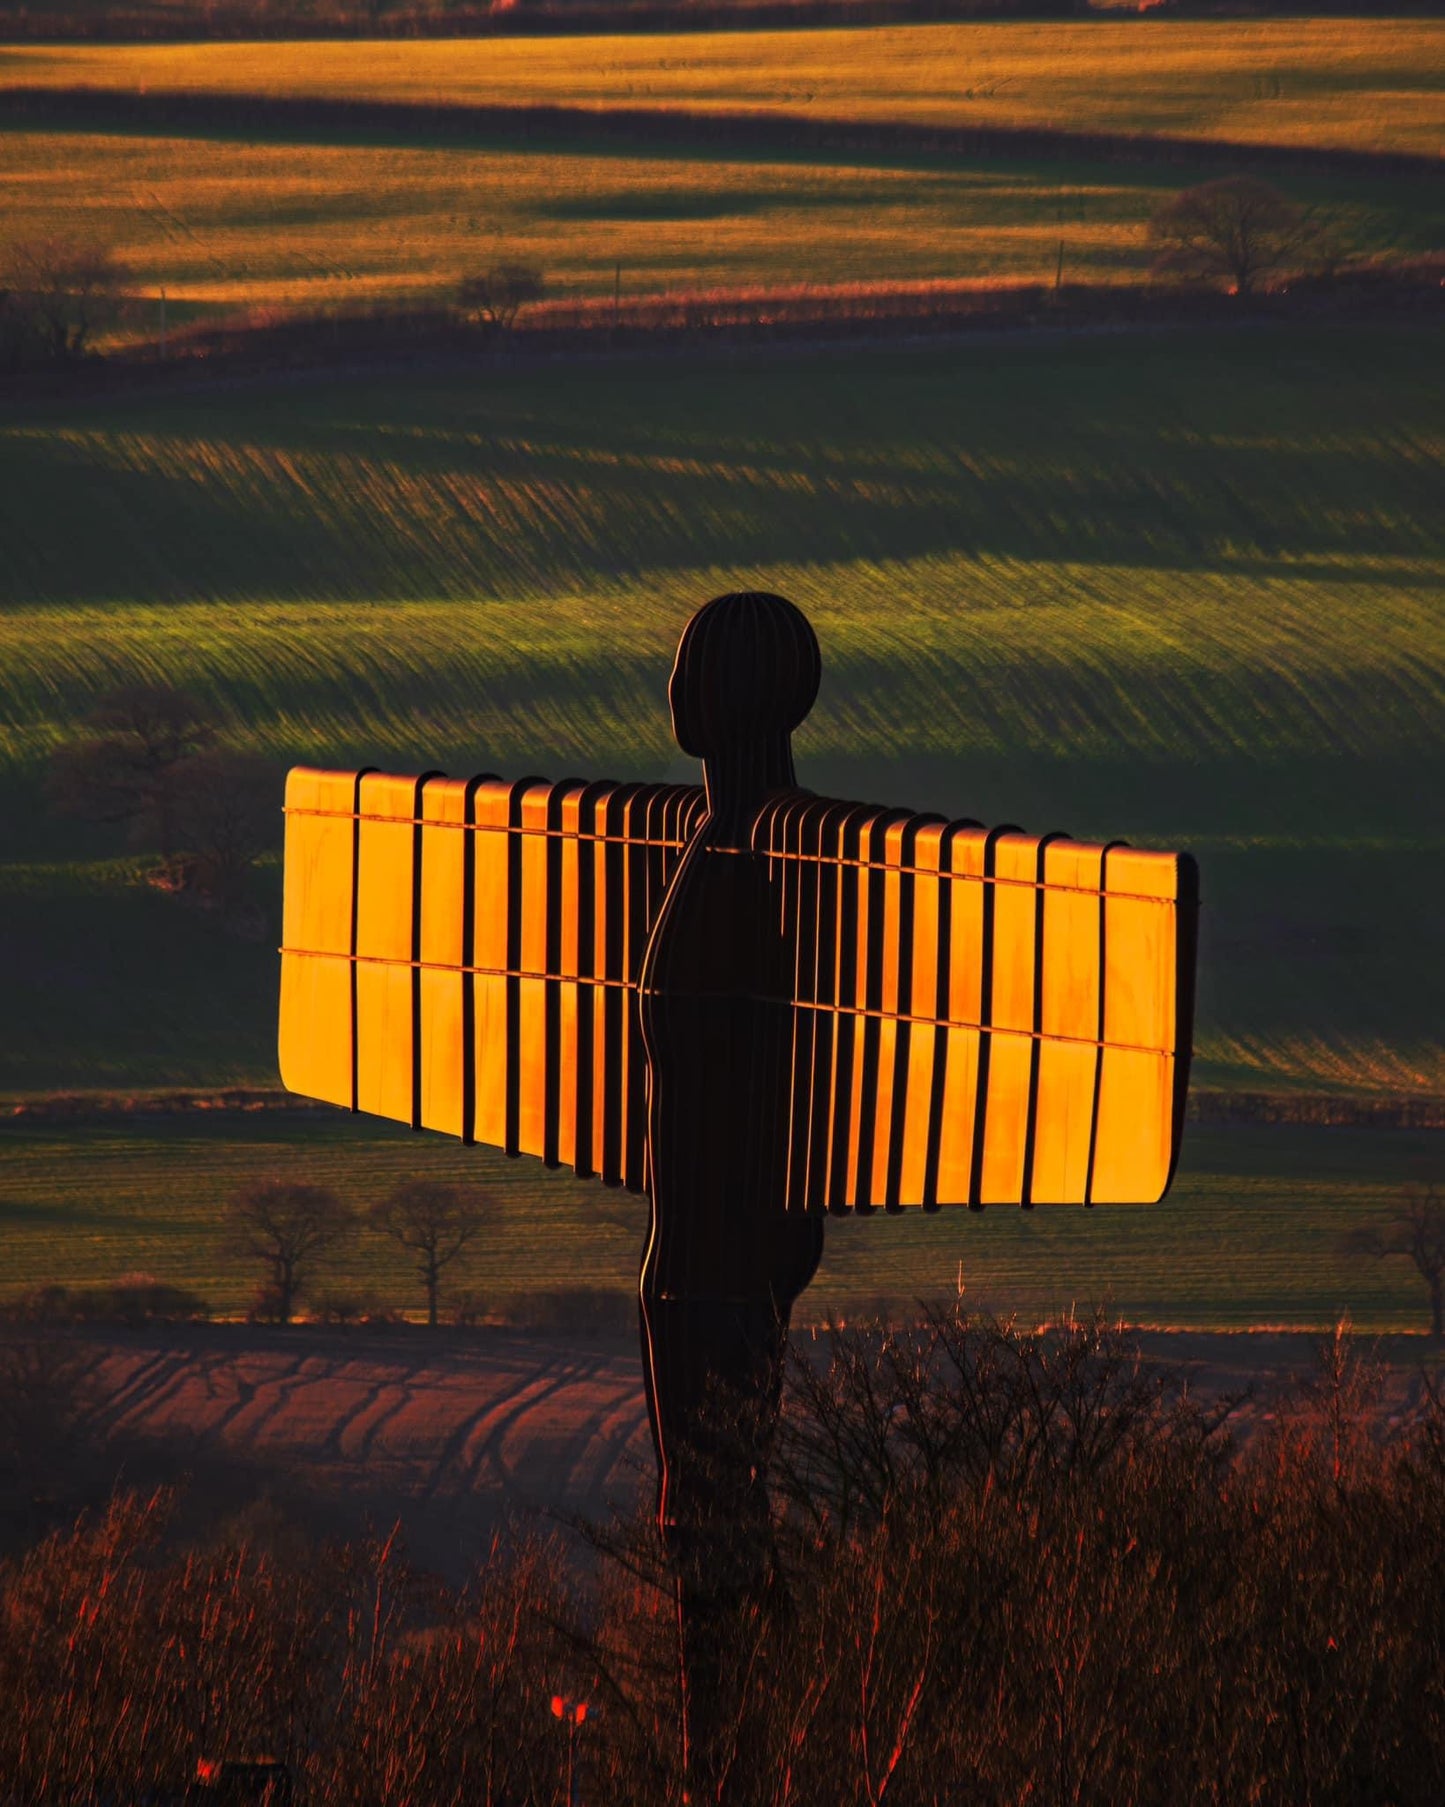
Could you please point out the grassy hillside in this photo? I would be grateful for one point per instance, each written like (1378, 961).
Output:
(1182, 587)
(1262, 1214)
(1355, 83)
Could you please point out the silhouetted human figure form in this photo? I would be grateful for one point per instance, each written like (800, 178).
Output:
(724, 1261)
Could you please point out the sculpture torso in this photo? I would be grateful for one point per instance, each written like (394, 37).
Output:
(717, 1024)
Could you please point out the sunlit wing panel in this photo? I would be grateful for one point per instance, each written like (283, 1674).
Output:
(981, 1016)
(463, 955)
(318, 1006)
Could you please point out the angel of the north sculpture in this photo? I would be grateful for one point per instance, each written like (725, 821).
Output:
(755, 1005)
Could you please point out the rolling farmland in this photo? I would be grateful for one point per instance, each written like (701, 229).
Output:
(237, 215)
(232, 228)
(1362, 84)
(1183, 586)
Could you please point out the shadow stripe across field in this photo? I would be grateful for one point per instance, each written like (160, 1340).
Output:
(773, 132)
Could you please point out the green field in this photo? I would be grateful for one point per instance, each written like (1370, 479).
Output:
(1371, 84)
(1250, 1234)
(1184, 587)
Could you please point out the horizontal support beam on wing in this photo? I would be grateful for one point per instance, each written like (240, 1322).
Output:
(811, 859)
(854, 1010)
(545, 834)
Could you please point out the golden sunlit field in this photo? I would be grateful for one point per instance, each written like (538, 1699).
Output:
(1368, 84)
(225, 227)
(312, 215)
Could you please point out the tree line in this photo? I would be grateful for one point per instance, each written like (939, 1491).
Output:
(61, 296)
(291, 1227)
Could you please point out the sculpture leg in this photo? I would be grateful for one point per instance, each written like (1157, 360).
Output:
(714, 1374)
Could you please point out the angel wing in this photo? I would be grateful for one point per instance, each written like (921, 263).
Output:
(462, 955)
(979, 1016)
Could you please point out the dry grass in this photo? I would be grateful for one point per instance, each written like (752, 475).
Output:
(1020, 1565)
(1355, 83)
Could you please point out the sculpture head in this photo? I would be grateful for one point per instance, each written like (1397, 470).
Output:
(747, 670)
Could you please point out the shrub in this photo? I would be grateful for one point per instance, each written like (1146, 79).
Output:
(48, 1399)
(340, 1308)
(133, 1299)
(121, 1668)
(496, 296)
(58, 293)
(572, 1311)
(469, 1309)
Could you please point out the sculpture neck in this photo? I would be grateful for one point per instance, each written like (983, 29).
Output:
(739, 779)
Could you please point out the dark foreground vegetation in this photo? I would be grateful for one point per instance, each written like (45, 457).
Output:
(1009, 1567)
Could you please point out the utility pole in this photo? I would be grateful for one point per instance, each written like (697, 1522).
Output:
(163, 324)
(1059, 265)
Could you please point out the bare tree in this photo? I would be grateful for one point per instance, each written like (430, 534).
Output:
(288, 1226)
(497, 296)
(434, 1222)
(128, 766)
(1237, 230)
(65, 290)
(227, 813)
(1416, 1230)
